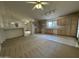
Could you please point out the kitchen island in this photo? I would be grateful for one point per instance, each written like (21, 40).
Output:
(10, 33)
(14, 32)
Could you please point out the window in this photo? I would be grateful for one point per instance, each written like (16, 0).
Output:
(51, 24)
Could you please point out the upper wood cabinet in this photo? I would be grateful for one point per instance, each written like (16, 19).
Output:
(70, 25)
(61, 21)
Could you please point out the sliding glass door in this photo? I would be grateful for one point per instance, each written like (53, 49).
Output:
(78, 31)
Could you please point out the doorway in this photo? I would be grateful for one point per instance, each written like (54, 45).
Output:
(78, 32)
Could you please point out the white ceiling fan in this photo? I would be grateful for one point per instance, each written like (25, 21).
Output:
(38, 4)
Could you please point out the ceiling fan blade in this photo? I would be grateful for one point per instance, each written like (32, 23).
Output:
(44, 3)
(36, 8)
(32, 2)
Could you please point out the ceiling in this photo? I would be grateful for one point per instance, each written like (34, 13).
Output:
(57, 8)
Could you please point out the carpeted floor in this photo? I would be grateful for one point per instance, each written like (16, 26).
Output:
(36, 47)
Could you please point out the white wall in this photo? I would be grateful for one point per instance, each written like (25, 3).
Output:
(7, 16)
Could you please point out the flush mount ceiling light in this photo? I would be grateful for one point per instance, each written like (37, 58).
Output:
(12, 22)
(38, 4)
(27, 21)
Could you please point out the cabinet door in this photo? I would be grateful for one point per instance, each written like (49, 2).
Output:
(61, 21)
(74, 25)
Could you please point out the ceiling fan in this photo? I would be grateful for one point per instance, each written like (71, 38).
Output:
(38, 4)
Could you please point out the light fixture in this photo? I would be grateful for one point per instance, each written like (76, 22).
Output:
(12, 22)
(50, 12)
(38, 6)
(27, 21)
